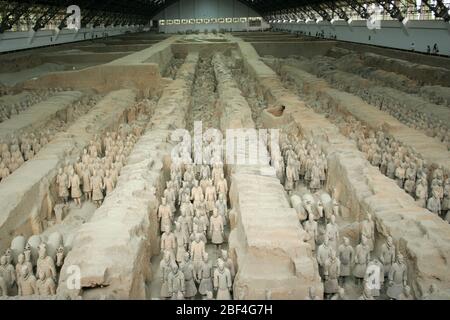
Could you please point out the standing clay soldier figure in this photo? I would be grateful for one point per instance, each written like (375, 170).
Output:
(331, 273)
(374, 274)
(222, 208)
(87, 186)
(20, 263)
(74, 185)
(164, 215)
(362, 258)
(197, 252)
(387, 255)
(332, 232)
(346, 257)
(45, 263)
(434, 203)
(315, 177)
(228, 263)
(7, 272)
(216, 229)
(397, 278)
(289, 182)
(368, 231)
(323, 252)
(45, 285)
(222, 185)
(63, 185)
(176, 282)
(204, 276)
(166, 268)
(97, 189)
(4, 171)
(27, 282)
(169, 244)
(210, 197)
(189, 277)
(109, 182)
(181, 242)
(196, 193)
(421, 193)
(222, 281)
(310, 227)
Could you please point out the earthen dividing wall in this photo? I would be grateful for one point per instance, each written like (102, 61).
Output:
(422, 73)
(113, 250)
(266, 240)
(140, 70)
(38, 115)
(29, 190)
(431, 150)
(421, 236)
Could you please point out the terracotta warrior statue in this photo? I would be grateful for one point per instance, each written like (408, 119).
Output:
(45, 263)
(204, 277)
(332, 232)
(331, 273)
(63, 185)
(169, 243)
(346, 257)
(176, 282)
(362, 258)
(166, 268)
(97, 186)
(189, 277)
(197, 252)
(222, 208)
(222, 281)
(310, 226)
(45, 285)
(216, 229)
(20, 263)
(387, 255)
(397, 278)
(74, 185)
(323, 252)
(228, 263)
(165, 215)
(8, 273)
(368, 231)
(27, 285)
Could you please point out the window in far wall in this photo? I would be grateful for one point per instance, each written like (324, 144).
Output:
(191, 21)
(169, 22)
(199, 21)
(243, 20)
(221, 20)
(162, 22)
(254, 22)
(235, 20)
(228, 20)
(176, 21)
(213, 20)
(206, 21)
(184, 21)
